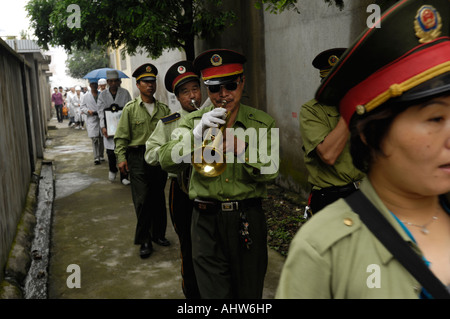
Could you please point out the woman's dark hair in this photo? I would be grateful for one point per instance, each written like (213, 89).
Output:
(373, 127)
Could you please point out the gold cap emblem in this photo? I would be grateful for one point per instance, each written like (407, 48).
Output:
(216, 60)
(427, 24)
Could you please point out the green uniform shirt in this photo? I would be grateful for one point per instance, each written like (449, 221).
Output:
(160, 136)
(316, 122)
(334, 255)
(246, 179)
(136, 125)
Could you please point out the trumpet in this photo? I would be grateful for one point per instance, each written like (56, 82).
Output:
(194, 104)
(213, 168)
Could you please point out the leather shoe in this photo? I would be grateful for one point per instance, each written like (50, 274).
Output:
(146, 250)
(162, 241)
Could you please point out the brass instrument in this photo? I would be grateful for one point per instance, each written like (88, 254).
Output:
(212, 168)
(194, 104)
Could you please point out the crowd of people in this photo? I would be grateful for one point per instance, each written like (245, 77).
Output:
(80, 106)
(376, 141)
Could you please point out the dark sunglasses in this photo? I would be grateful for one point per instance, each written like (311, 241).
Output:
(231, 86)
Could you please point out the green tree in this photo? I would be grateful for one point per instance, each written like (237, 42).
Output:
(278, 6)
(150, 25)
(153, 25)
(80, 62)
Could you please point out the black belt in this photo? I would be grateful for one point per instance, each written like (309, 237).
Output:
(230, 206)
(339, 189)
(136, 148)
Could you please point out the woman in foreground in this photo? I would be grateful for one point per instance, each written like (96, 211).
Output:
(393, 89)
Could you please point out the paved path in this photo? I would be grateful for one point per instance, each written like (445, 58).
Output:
(93, 231)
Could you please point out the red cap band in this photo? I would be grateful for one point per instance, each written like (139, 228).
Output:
(181, 77)
(222, 71)
(396, 78)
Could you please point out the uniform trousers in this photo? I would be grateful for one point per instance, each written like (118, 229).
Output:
(225, 268)
(147, 189)
(181, 214)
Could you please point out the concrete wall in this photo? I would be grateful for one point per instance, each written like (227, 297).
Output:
(292, 41)
(24, 110)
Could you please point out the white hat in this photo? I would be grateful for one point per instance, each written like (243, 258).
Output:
(101, 82)
(112, 74)
(77, 88)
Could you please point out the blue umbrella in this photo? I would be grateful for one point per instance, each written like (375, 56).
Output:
(101, 74)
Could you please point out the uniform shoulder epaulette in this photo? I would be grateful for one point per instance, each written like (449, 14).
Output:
(171, 118)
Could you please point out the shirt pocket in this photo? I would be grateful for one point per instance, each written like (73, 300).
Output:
(138, 126)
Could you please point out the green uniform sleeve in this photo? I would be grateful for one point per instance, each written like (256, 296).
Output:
(316, 122)
(122, 137)
(154, 143)
(305, 275)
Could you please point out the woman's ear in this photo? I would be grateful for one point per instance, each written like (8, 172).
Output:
(363, 138)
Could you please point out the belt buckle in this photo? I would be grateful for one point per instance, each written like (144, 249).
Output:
(356, 184)
(229, 206)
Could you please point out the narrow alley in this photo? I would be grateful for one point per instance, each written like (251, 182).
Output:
(93, 229)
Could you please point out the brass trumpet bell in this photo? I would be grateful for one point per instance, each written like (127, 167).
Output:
(211, 163)
(212, 169)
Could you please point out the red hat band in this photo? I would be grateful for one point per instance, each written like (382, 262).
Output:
(222, 71)
(396, 78)
(182, 77)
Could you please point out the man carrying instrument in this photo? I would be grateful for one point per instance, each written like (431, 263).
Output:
(184, 82)
(229, 233)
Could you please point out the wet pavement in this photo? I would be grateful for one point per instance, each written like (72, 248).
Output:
(92, 255)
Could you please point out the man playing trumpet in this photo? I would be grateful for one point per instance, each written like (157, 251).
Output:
(229, 232)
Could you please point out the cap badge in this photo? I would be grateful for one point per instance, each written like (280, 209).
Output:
(181, 69)
(216, 60)
(332, 60)
(360, 109)
(148, 69)
(427, 24)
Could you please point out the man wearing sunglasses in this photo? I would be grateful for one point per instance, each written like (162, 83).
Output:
(228, 230)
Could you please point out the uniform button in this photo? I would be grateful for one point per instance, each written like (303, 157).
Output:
(348, 222)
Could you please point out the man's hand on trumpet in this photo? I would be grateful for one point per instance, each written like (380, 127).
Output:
(212, 118)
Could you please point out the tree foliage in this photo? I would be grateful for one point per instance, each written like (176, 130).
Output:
(80, 62)
(138, 25)
(151, 25)
(278, 6)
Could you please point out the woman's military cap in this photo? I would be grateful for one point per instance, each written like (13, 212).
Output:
(146, 71)
(325, 60)
(219, 66)
(179, 74)
(405, 58)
